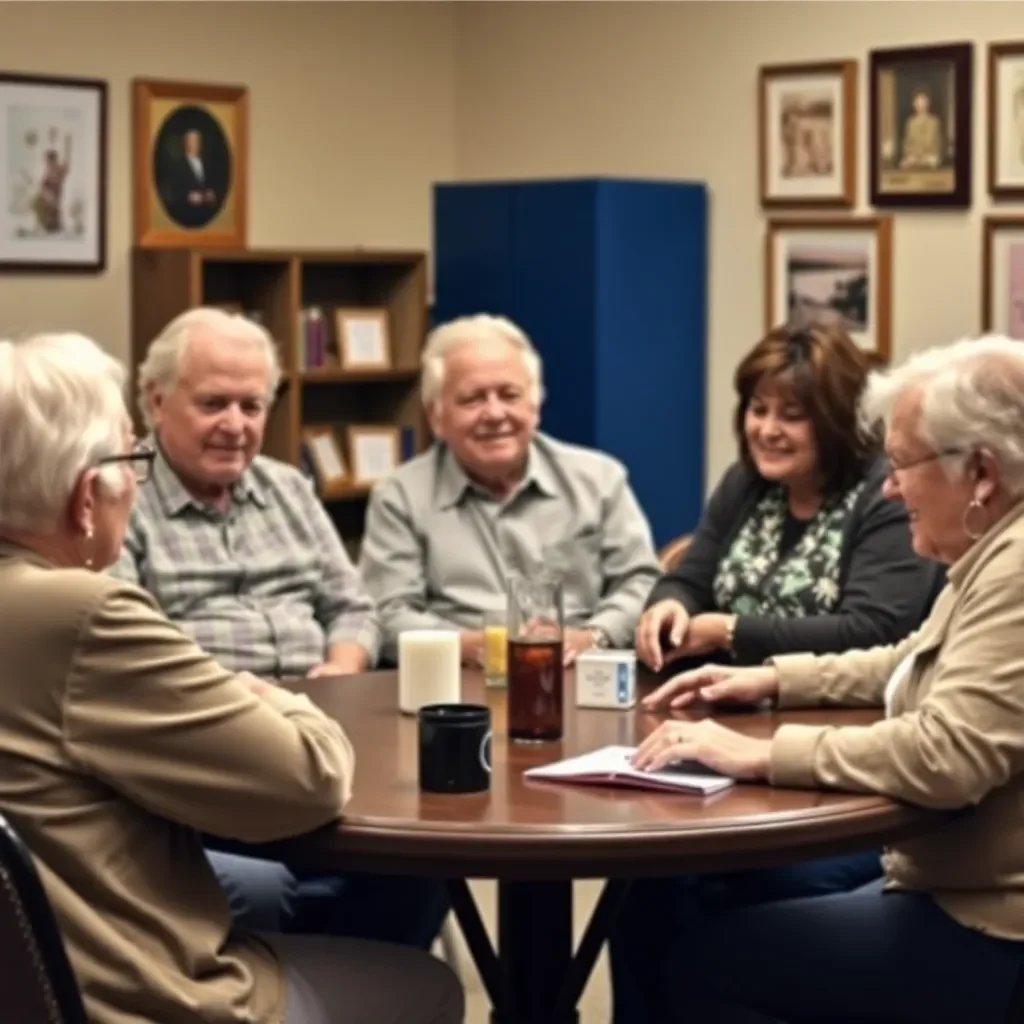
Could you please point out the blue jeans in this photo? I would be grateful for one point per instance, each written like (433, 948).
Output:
(657, 911)
(269, 897)
(847, 958)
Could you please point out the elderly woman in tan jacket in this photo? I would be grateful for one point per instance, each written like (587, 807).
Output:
(941, 937)
(121, 741)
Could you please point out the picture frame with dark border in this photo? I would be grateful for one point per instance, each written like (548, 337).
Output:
(53, 163)
(832, 269)
(1005, 127)
(190, 146)
(919, 136)
(807, 134)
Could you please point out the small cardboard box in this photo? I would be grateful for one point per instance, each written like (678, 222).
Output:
(606, 679)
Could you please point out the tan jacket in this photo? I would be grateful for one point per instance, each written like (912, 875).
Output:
(119, 739)
(954, 739)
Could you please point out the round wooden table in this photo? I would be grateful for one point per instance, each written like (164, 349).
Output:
(536, 837)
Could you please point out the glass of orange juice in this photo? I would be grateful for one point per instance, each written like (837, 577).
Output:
(495, 646)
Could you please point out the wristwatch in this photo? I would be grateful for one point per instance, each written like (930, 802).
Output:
(599, 638)
(730, 633)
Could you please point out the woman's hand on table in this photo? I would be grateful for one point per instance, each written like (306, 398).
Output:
(666, 616)
(714, 746)
(713, 683)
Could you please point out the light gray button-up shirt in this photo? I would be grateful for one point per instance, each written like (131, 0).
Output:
(438, 550)
(265, 587)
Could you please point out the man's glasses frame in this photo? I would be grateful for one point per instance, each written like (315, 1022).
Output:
(141, 462)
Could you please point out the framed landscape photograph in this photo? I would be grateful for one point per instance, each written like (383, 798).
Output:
(1002, 276)
(807, 127)
(920, 126)
(835, 269)
(1006, 120)
(53, 165)
(190, 156)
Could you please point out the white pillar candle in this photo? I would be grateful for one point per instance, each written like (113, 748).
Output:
(429, 668)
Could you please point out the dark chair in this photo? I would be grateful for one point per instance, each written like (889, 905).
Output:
(672, 553)
(37, 985)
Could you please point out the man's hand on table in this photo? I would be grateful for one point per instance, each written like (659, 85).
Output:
(342, 660)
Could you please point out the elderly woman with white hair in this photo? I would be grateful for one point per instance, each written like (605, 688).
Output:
(940, 938)
(121, 741)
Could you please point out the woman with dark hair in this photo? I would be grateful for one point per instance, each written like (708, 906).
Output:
(798, 550)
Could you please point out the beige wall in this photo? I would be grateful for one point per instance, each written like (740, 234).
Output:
(372, 102)
(668, 89)
(352, 118)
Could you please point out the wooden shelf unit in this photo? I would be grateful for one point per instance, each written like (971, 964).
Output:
(278, 285)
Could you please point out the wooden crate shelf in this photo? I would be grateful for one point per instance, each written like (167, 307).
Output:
(276, 286)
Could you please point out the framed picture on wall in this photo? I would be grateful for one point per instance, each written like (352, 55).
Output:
(920, 126)
(190, 164)
(53, 168)
(1002, 276)
(832, 269)
(1006, 120)
(807, 129)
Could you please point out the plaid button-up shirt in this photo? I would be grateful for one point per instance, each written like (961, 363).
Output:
(264, 587)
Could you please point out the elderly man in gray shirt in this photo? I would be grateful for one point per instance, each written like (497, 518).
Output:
(494, 497)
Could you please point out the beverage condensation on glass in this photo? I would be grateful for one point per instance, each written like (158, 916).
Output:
(534, 668)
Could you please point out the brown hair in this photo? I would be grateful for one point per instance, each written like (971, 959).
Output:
(827, 373)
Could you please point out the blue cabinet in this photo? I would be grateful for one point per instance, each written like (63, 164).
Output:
(609, 279)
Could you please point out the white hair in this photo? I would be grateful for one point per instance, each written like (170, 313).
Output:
(62, 410)
(972, 396)
(475, 330)
(162, 364)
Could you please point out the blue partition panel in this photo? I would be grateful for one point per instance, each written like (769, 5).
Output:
(609, 279)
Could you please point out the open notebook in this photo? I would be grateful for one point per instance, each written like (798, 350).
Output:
(611, 766)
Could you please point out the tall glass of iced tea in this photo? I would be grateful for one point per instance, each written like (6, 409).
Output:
(534, 667)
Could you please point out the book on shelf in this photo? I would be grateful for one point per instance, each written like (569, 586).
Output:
(613, 766)
(313, 348)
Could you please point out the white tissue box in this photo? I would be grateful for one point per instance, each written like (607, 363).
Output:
(606, 679)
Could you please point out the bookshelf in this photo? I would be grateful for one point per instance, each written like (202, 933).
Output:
(280, 288)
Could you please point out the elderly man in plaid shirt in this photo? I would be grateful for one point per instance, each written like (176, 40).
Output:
(237, 550)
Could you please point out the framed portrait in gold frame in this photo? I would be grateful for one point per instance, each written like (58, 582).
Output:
(190, 164)
(920, 126)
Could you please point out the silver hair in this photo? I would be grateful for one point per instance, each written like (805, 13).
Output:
(62, 409)
(972, 396)
(162, 364)
(475, 330)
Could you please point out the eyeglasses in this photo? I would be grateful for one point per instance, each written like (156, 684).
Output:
(141, 462)
(892, 468)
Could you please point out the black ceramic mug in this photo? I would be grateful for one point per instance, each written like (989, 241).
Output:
(455, 748)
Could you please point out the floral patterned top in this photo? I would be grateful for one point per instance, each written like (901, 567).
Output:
(757, 578)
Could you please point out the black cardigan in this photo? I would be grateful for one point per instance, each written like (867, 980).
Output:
(886, 590)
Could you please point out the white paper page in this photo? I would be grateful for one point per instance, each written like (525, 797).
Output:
(615, 761)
